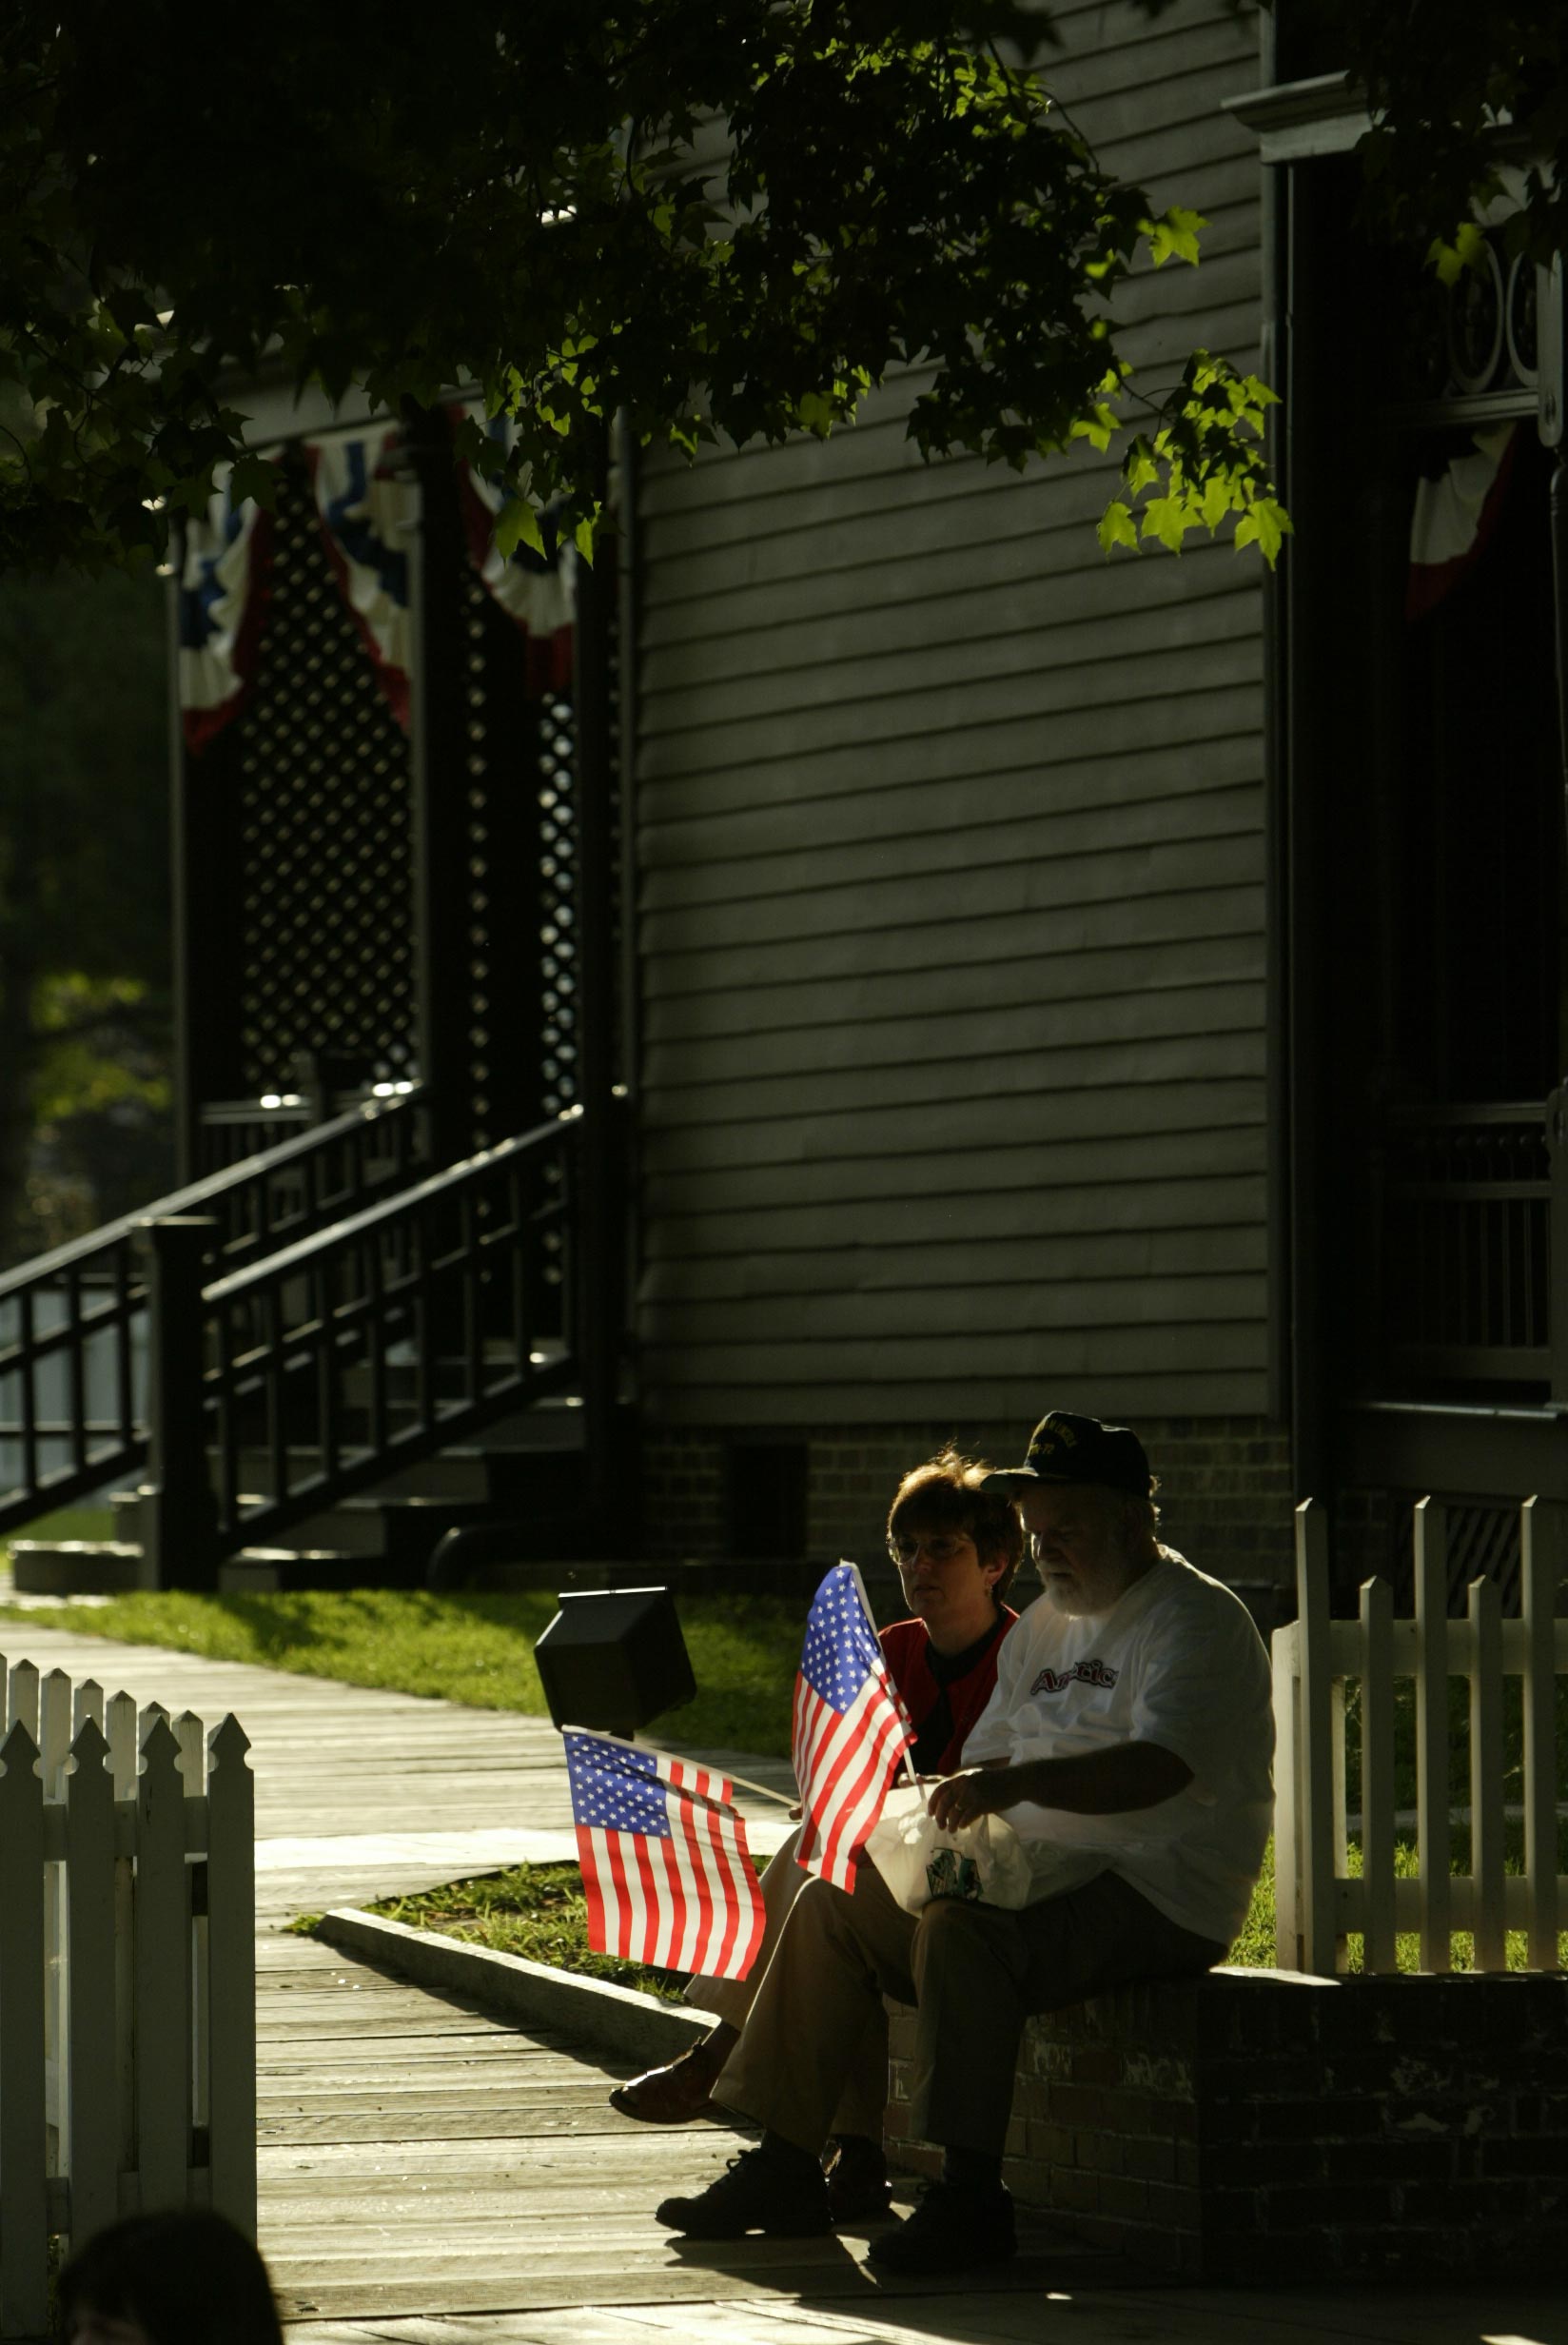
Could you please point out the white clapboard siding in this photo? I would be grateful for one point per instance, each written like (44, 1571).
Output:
(1318, 1904)
(127, 1973)
(950, 844)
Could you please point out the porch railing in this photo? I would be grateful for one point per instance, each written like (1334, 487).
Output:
(1473, 1247)
(232, 1129)
(74, 1323)
(301, 1379)
(319, 1086)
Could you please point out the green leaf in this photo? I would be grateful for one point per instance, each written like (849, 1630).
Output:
(1096, 428)
(1266, 525)
(518, 523)
(1466, 251)
(253, 476)
(1174, 235)
(1219, 495)
(1139, 468)
(1117, 527)
(1168, 518)
(817, 414)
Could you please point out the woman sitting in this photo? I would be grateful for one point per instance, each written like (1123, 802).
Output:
(957, 1547)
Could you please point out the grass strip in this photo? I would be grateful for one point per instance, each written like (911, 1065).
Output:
(537, 1911)
(475, 1649)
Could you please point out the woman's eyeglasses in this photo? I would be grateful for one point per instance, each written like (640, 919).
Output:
(939, 1548)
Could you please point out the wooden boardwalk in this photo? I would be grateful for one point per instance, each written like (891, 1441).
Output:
(418, 2157)
(430, 2176)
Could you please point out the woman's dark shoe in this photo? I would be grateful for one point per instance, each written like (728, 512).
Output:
(675, 2095)
(755, 2192)
(951, 2230)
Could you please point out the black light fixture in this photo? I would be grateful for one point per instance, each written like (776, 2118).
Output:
(614, 1657)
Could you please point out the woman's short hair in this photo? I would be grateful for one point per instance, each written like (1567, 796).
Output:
(946, 1494)
(184, 2276)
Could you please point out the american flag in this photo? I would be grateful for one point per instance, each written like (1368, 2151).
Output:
(850, 1728)
(664, 1859)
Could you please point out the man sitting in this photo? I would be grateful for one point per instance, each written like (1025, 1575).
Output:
(1128, 1742)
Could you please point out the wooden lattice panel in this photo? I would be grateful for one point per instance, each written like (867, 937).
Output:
(557, 874)
(325, 830)
(557, 933)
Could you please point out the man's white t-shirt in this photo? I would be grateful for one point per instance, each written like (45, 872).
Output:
(1176, 1661)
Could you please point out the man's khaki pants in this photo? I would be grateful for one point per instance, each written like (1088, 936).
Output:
(975, 1973)
(863, 2086)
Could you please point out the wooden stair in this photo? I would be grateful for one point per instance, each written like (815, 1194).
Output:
(528, 1471)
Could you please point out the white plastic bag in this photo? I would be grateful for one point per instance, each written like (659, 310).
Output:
(985, 1862)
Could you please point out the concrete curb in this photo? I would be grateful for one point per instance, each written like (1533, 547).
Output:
(631, 2025)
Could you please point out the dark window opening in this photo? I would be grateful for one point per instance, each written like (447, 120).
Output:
(1480, 818)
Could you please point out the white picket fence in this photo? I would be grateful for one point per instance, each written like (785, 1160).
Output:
(1318, 1901)
(128, 1972)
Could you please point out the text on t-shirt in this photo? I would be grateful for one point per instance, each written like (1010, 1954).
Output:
(1090, 1672)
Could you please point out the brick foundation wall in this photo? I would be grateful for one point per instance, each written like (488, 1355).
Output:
(682, 1494)
(1256, 2126)
(1225, 1489)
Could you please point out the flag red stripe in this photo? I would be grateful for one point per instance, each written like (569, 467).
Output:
(742, 1907)
(856, 1814)
(675, 1925)
(651, 1916)
(617, 1904)
(846, 1762)
(707, 1930)
(686, 1859)
(840, 1833)
(588, 1859)
(724, 1920)
(748, 1938)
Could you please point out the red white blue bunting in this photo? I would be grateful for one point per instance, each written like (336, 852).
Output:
(1454, 517)
(366, 511)
(537, 592)
(225, 583)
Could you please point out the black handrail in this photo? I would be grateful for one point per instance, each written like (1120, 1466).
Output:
(69, 1318)
(340, 1357)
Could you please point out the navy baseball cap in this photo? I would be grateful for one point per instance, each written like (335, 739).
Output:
(1066, 1448)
